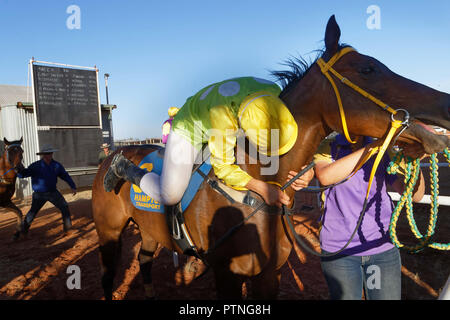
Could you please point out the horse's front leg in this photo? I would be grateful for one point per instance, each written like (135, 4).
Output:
(146, 257)
(19, 219)
(266, 285)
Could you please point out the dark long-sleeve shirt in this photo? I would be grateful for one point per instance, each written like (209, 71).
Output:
(44, 176)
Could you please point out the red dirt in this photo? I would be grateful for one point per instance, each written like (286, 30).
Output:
(36, 267)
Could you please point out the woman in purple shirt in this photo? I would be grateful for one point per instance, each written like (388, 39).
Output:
(371, 263)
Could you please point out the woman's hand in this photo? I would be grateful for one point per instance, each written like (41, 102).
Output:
(413, 150)
(301, 182)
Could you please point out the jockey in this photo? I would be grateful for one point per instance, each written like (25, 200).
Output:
(213, 116)
(167, 125)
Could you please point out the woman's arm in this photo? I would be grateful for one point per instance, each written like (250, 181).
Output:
(332, 172)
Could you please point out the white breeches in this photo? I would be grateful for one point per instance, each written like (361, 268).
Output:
(179, 158)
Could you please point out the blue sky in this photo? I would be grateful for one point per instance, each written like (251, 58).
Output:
(159, 53)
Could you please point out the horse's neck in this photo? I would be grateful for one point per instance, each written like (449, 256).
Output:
(305, 106)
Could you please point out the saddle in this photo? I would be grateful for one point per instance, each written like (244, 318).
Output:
(153, 162)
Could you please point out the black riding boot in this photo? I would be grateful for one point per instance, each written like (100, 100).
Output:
(122, 168)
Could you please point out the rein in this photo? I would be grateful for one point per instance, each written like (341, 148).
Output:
(391, 137)
(327, 67)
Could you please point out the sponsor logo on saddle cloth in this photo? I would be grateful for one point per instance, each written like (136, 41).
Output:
(153, 162)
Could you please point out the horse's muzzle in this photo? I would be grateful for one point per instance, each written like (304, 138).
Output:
(431, 141)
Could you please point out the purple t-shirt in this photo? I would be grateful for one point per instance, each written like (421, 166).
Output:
(344, 203)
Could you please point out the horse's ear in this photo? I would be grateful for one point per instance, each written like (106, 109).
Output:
(332, 35)
(6, 141)
(21, 140)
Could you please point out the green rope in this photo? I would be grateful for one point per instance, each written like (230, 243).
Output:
(411, 176)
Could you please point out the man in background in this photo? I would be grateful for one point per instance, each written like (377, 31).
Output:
(44, 175)
(106, 151)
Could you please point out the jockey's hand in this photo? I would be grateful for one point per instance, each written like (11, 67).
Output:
(413, 150)
(271, 193)
(303, 181)
(276, 197)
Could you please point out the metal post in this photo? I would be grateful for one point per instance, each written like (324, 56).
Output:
(111, 136)
(106, 86)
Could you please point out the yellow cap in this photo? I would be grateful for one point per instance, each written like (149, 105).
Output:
(262, 112)
(173, 111)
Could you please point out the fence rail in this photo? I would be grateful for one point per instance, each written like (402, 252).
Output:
(130, 142)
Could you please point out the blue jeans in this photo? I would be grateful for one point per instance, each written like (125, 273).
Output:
(55, 197)
(379, 275)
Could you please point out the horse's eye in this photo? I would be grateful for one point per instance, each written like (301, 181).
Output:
(367, 70)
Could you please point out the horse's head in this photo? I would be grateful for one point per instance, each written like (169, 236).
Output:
(14, 152)
(425, 106)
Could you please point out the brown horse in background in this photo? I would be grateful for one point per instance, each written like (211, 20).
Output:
(262, 245)
(10, 160)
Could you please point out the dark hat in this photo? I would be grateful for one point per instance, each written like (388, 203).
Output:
(46, 149)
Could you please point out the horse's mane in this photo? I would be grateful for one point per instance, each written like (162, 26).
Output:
(299, 67)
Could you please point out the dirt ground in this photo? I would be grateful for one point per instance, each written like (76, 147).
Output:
(36, 267)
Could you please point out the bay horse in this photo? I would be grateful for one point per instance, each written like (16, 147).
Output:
(10, 160)
(258, 250)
